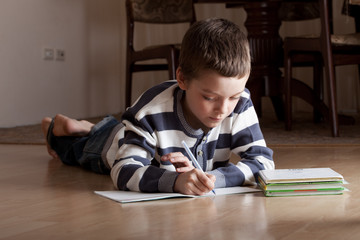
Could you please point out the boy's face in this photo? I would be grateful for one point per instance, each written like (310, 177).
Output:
(210, 98)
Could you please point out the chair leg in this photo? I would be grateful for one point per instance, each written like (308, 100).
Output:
(357, 27)
(288, 92)
(318, 81)
(172, 63)
(128, 85)
(331, 88)
(278, 104)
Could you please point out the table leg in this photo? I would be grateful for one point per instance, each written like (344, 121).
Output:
(263, 25)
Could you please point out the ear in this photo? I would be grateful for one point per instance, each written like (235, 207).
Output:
(181, 79)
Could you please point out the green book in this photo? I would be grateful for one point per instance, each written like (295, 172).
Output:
(303, 192)
(300, 185)
(300, 175)
(300, 182)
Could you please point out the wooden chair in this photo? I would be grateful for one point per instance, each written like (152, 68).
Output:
(154, 12)
(352, 10)
(327, 50)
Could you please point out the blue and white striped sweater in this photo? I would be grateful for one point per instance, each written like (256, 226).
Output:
(155, 125)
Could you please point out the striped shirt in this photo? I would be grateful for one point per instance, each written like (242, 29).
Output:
(155, 125)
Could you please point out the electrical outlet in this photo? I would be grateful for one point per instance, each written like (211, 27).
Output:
(48, 54)
(60, 55)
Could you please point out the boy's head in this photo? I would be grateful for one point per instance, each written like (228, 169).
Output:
(214, 68)
(215, 44)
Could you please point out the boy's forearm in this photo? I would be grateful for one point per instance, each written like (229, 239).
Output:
(243, 173)
(228, 176)
(139, 178)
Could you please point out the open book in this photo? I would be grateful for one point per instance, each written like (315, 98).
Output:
(128, 197)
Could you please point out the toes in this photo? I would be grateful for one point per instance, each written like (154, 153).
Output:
(45, 124)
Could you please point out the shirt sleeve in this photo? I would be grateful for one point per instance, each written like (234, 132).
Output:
(249, 148)
(133, 170)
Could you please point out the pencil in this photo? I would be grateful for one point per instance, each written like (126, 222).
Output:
(193, 159)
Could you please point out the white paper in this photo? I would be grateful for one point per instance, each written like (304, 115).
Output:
(127, 196)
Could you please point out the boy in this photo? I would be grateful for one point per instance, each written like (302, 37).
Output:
(207, 106)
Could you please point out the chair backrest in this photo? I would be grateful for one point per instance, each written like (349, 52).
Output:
(298, 11)
(160, 11)
(157, 12)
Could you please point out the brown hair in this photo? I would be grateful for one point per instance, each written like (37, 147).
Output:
(216, 44)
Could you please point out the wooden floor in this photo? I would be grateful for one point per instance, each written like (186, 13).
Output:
(41, 198)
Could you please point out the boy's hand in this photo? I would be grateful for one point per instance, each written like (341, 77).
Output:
(180, 162)
(194, 182)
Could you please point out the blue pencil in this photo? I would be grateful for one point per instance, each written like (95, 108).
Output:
(193, 159)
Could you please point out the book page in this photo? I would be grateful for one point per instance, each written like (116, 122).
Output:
(128, 196)
(305, 174)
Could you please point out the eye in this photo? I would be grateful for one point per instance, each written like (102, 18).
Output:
(235, 98)
(208, 98)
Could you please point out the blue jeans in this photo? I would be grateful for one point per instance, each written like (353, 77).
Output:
(85, 151)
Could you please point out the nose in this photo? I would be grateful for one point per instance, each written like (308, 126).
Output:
(222, 106)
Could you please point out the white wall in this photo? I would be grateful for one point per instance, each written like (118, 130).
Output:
(90, 82)
(86, 84)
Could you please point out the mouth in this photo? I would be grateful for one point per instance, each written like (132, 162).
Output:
(215, 119)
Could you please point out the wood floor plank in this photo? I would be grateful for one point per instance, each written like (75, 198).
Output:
(40, 198)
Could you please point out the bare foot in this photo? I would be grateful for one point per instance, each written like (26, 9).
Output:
(45, 124)
(64, 126)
